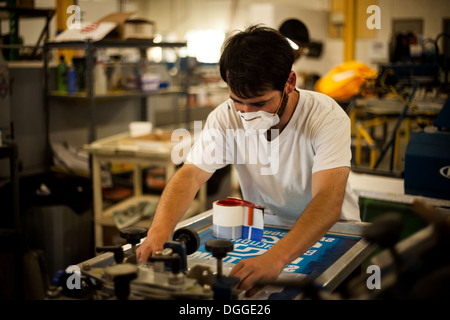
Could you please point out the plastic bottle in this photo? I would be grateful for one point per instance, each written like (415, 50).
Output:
(116, 79)
(61, 71)
(100, 79)
(71, 79)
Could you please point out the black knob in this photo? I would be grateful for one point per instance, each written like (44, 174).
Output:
(219, 248)
(117, 250)
(121, 274)
(133, 235)
(122, 285)
(189, 237)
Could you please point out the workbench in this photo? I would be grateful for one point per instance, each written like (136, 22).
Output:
(328, 263)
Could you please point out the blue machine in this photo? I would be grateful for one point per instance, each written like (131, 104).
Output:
(427, 159)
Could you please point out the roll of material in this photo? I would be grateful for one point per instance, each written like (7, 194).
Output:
(236, 218)
(227, 220)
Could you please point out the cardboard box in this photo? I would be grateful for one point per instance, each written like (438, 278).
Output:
(118, 26)
(137, 29)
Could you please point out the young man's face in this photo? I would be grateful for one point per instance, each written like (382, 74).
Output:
(272, 101)
(269, 102)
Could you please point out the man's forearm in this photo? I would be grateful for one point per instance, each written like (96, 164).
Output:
(315, 221)
(173, 204)
(306, 231)
(175, 200)
(328, 190)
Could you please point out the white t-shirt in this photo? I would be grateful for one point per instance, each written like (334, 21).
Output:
(277, 174)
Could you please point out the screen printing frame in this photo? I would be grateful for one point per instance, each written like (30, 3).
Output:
(338, 271)
(328, 280)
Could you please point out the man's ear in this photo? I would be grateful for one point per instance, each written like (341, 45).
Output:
(291, 82)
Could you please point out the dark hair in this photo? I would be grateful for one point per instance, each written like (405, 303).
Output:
(256, 60)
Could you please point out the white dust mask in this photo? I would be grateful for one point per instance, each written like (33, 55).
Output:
(259, 121)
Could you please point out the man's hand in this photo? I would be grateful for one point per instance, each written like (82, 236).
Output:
(173, 204)
(152, 243)
(252, 270)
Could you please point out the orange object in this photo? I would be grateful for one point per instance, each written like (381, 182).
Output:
(345, 80)
(250, 216)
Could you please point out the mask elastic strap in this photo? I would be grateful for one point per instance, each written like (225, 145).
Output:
(281, 101)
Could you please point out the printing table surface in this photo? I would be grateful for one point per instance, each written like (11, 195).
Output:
(328, 262)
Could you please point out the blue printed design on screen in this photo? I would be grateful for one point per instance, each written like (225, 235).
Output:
(252, 233)
(317, 259)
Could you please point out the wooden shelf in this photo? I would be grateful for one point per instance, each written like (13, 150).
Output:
(125, 94)
(116, 43)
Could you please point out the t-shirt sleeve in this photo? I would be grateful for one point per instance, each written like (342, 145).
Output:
(332, 144)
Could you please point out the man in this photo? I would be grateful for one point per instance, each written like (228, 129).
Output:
(307, 190)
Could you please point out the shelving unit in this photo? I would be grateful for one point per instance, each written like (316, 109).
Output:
(14, 14)
(117, 94)
(90, 48)
(109, 149)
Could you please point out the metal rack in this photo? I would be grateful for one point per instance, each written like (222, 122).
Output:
(90, 47)
(89, 96)
(14, 14)
(91, 99)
